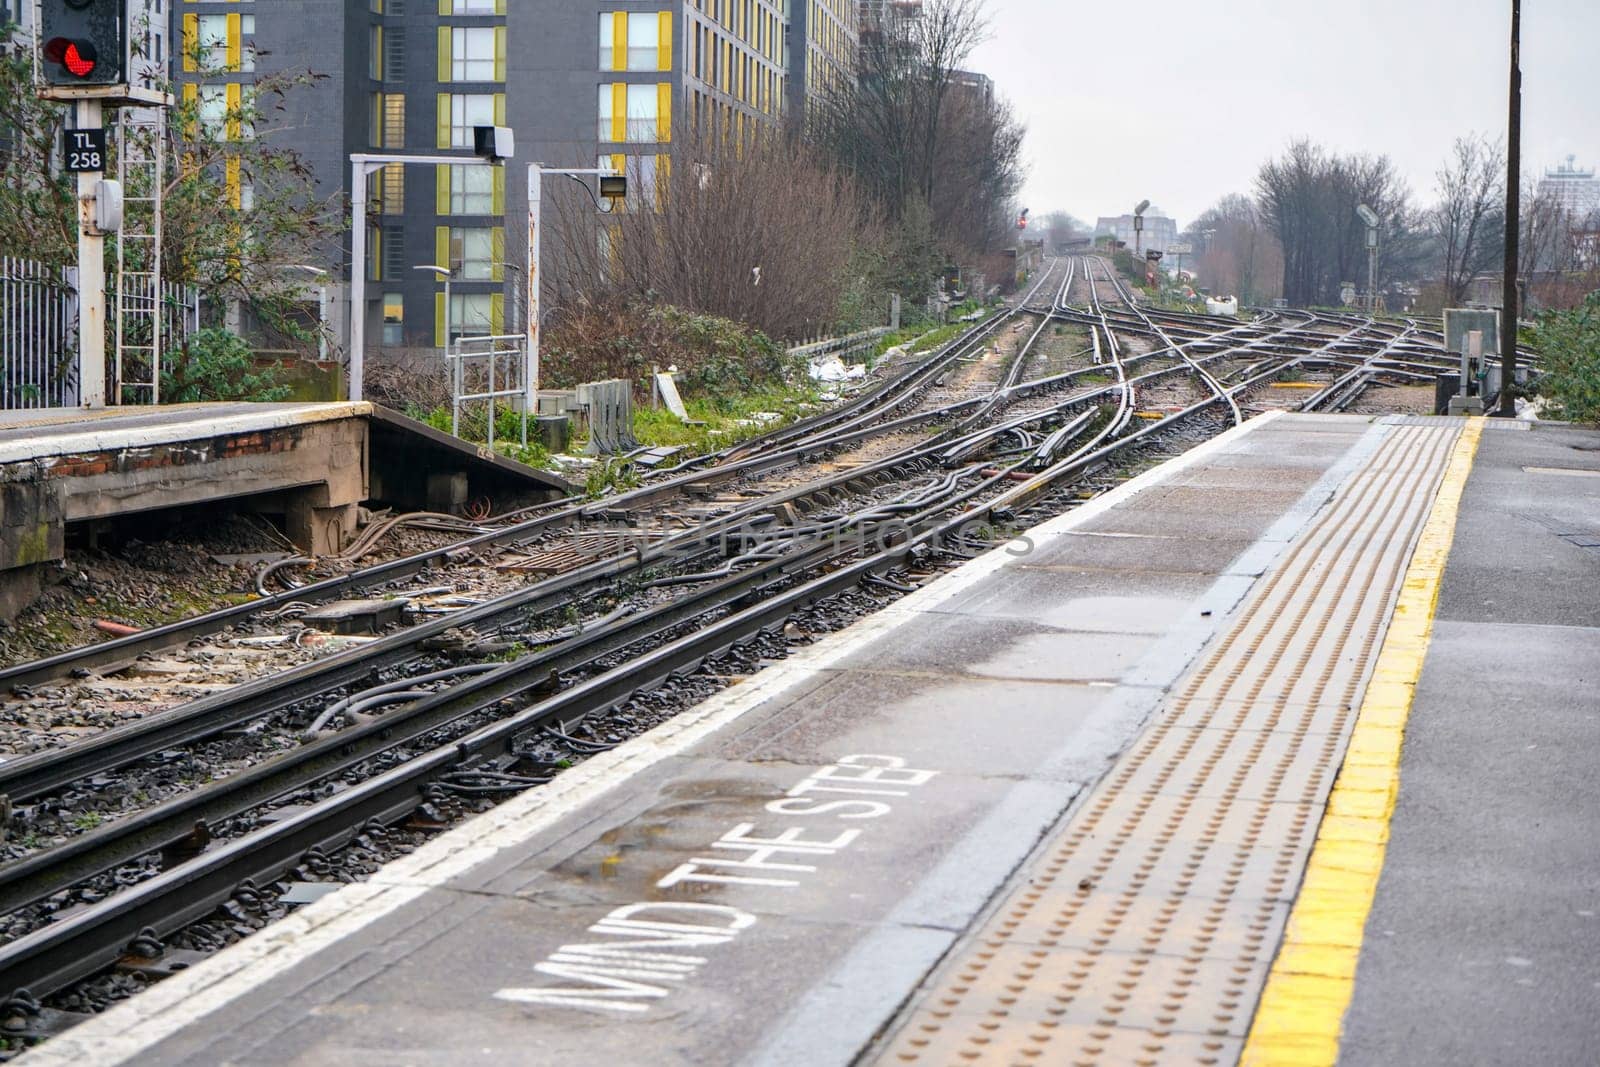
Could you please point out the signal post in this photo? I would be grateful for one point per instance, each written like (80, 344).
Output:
(82, 56)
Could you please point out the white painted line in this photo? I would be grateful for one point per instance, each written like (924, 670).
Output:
(1565, 472)
(86, 437)
(132, 1028)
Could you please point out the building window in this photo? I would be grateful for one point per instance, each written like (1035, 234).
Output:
(474, 7)
(213, 110)
(640, 121)
(472, 190)
(213, 38)
(394, 319)
(472, 252)
(471, 314)
(467, 112)
(472, 51)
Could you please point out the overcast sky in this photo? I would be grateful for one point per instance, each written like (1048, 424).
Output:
(1181, 102)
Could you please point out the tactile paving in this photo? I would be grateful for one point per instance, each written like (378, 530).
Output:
(1142, 933)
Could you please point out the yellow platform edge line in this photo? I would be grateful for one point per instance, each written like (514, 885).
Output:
(1302, 1009)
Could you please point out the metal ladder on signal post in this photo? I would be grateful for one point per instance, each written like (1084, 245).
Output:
(141, 320)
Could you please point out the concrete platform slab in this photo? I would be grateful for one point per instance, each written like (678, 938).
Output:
(1484, 935)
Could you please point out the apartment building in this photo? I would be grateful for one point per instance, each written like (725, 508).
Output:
(824, 37)
(581, 82)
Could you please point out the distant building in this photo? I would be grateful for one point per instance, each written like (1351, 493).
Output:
(823, 38)
(1576, 190)
(578, 81)
(977, 87)
(1160, 232)
(16, 13)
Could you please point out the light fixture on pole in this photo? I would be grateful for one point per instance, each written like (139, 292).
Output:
(1138, 225)
(614, 187)
(323, 302)
(446, 274)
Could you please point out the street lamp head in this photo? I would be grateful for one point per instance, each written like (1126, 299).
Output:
(1368, 216)
(1144, 205)
(443, 272)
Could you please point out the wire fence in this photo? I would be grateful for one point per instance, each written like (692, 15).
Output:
(39, 332)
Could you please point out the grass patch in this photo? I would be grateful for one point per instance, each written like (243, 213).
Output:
(507, 432)
(726, 420)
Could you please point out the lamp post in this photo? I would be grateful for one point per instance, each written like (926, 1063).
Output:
(445, 273)
(322, 306)
(614, 187)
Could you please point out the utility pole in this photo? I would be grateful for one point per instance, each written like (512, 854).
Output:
(1508, 300)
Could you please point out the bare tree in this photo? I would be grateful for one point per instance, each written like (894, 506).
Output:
(1236, 253)
(1308, 200)
(756, 231)
(920, 136)
(1469, 220)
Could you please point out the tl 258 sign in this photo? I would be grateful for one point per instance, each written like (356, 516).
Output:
(85, 151)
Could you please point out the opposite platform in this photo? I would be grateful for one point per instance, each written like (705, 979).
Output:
(807, 867)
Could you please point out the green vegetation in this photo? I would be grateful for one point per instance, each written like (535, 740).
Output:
(88, 820)
(725, 420)
(507, 432)
(610, 475)
(1568, 343)
(214, 364)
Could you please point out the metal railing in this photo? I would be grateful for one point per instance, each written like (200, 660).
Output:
(840, 346)
(38, 336)
(489, 369)
(39, 332)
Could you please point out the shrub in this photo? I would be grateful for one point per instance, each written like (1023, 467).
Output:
(214, 364)
(1568, 343)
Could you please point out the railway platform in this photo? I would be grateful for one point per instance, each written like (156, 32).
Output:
(313, 463)
(1122, 791)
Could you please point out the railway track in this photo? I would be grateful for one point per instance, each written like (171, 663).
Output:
(386, 724)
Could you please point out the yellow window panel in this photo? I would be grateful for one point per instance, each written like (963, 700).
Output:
(499, 53)
(499, 109)
(664, 112)
(447, 7)
(497, 191)
(441, 247)
(497, 313)
(234, 101)
(438, 311)
(444, 54)
(191, 37)
(444, 121)
(619, 112)
(235, 42)
(665, 58)
(441, 186)
(497, 254)
(619, 40)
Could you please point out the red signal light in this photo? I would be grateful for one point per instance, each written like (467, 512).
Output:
(78, 57)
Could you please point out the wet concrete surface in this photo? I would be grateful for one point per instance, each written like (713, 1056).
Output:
(1483, 945)
(786, 882)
